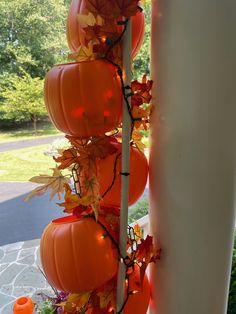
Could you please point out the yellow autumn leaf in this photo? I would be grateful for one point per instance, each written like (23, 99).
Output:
(89, 19)
(73, 200)
(137, 139)
(107, 297)
(86, 19)
(83, 53)
(138, 231)
(55, 183)
(79, 299)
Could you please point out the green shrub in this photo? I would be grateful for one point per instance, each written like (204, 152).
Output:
(139, 210)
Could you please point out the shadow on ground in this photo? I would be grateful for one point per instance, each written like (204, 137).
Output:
(20, 221)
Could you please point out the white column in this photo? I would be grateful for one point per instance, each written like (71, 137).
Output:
(192, 157)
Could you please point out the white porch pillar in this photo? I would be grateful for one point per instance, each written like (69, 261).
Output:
(192, 157)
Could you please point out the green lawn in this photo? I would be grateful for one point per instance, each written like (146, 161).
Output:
(44, 129)
(22, 164)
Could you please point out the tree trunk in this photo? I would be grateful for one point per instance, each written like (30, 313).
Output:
(35, 119)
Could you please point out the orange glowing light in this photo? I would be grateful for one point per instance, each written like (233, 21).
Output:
(109, 94)
(103, 39)
(106, 113)
(78, 112)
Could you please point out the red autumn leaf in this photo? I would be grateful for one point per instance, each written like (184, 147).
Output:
(127, 8)
(104, 8)
(145, 252)
(101, 147)
(106, 32)
(141, 92)
(80, 211)
(68, 158)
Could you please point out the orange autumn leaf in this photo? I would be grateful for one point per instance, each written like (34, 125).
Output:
(87, 165)
(77, 142)
(55, 183)
(91, 190)
(68, 158)
(142, 115)
(137, 139)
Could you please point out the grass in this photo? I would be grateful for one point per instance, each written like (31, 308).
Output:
(22, 164)
(44, 129)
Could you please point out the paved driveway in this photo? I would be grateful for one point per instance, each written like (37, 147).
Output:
(20, 221)
(4, 147)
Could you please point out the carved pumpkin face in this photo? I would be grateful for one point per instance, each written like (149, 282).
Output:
(84, 99)
(75, 34)
(75, 255)
(138, 176)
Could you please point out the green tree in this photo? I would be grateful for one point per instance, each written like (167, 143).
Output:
(32, 35)
(142, 61)
(32, 40)
(23, 99)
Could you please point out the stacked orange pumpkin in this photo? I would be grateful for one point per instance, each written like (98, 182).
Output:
(84, 100)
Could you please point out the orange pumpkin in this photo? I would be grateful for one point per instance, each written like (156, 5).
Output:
(75, 34)
(84, 99)
(138, 176)
(137, 303)
(75, 256)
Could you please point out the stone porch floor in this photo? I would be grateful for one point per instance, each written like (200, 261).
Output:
(19, 274)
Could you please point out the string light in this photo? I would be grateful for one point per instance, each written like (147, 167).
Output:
(103, 39)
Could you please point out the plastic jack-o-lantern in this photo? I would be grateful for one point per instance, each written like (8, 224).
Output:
(84, 99)
(138, 176)
(76, 255)
(76, 35)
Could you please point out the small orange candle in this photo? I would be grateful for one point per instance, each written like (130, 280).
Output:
(23, 305)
